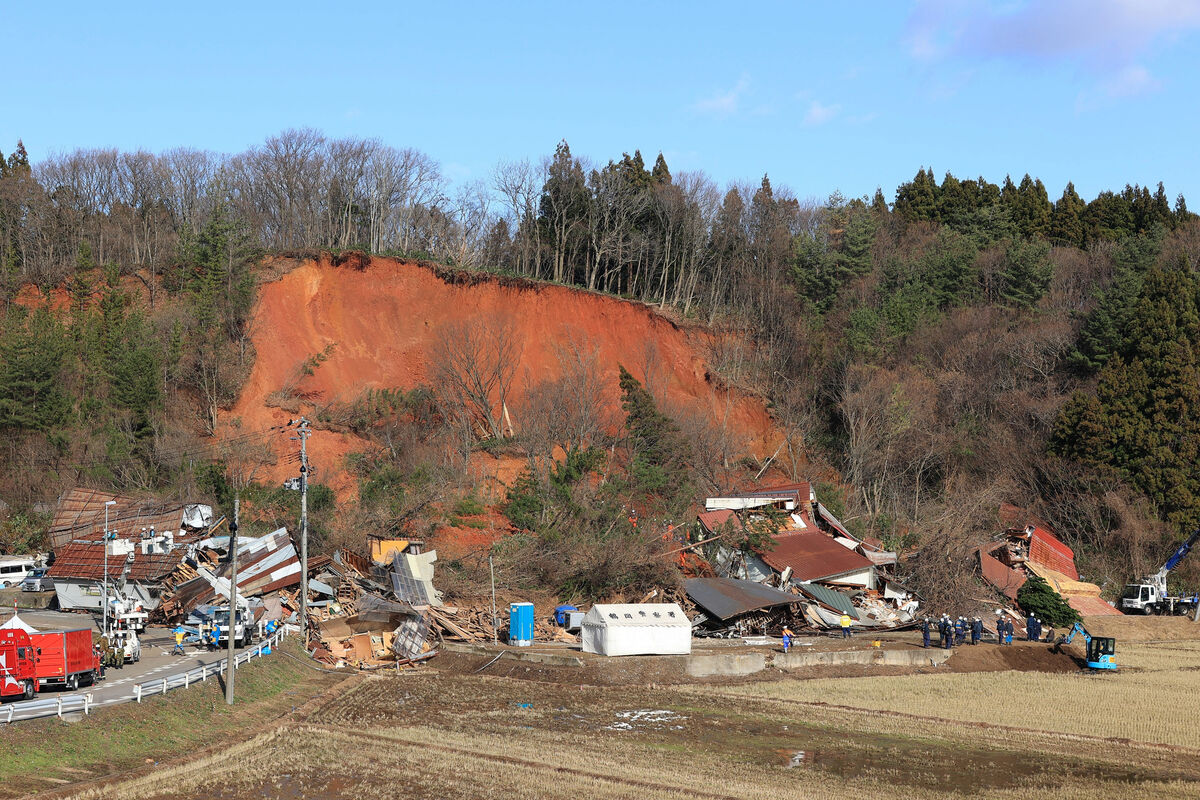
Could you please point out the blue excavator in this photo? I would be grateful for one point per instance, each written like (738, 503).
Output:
(1100, 650)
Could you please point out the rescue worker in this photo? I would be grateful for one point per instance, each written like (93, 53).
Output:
(787, 639)
(925, 633)
(846, 622)
(960, 631)
(177, 650)
(947, 633)
(1030, 627)
(1037, 629)
(976, 630)
(1009, 630)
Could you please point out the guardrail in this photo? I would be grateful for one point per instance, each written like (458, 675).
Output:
(201, 673)
(69, 703)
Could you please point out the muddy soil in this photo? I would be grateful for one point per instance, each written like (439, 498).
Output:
(752, 737)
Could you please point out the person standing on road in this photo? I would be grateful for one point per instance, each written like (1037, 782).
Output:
(177, 650)
(846, 623)
(925, 633)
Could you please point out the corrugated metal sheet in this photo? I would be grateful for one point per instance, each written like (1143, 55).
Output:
(813, 556)
(724, 598)
(1092, 606)
(711, 521)
(995, 572)
(1046, 549)
(85, 561)
(80, 515)
(830, 597)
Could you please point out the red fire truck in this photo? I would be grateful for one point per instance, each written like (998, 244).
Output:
(18, 675)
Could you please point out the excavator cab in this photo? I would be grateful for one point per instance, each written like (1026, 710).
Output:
(1101, 652)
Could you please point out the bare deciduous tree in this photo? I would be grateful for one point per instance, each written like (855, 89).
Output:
(474, 364)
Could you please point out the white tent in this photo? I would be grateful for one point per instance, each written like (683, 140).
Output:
(16, 622)
(635, 629)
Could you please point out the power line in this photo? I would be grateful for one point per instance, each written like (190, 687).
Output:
(168, 453)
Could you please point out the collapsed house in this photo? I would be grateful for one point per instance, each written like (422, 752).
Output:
(267, 565)
(810, 555)
(146, 543)
(1028, 546)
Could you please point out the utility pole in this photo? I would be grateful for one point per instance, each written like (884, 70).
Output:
(495, 619)
(230, 664)
(303, 432)
(107, 505)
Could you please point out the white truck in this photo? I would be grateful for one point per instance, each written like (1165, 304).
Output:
(241, 631)
(1150, 595)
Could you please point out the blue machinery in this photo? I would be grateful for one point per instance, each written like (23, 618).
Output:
(1101, 650)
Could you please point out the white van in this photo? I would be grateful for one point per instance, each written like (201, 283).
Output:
(13, 569)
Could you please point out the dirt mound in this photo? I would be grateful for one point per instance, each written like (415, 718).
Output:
(1023, 657)
(1142, 629)
(376, 321)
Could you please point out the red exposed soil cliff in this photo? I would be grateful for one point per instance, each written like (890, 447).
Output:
(383, 317)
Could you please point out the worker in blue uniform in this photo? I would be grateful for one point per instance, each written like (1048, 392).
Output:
(976, 630)
(1030, 625)
(925, 632)
(960, 631)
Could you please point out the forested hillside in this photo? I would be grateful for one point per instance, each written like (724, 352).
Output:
(934, 351)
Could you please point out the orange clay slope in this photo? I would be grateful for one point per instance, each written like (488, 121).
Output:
(383, 317)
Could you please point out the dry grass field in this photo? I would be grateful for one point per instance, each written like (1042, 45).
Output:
(940, 735)
(1151, 699)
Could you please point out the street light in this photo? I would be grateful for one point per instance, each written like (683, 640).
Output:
(107, 503)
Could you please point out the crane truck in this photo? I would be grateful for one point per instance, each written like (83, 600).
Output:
(1100, 650)
(1150, 596)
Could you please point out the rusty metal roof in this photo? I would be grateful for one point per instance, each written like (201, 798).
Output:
(713, 520)
(85, 560)
(724, 598)
(813, 556)
(80, 515)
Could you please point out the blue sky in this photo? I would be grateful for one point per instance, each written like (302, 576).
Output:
(822, 96)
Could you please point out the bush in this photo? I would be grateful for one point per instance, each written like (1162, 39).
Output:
(1037, 598)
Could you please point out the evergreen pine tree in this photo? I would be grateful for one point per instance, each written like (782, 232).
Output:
(1066, 220)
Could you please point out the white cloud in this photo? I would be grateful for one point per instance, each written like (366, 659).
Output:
(1105, 39)
(723, 104)
(1099, 32)
(819, 114)
(1132, 81)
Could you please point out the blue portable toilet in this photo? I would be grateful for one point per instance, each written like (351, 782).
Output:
(520, 624)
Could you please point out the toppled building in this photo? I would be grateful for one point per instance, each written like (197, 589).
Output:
(1028, 546)
(808, 547)
(266, 565)
(730, 606)
(147, 541)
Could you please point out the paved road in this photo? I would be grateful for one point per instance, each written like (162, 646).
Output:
(118, 684)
